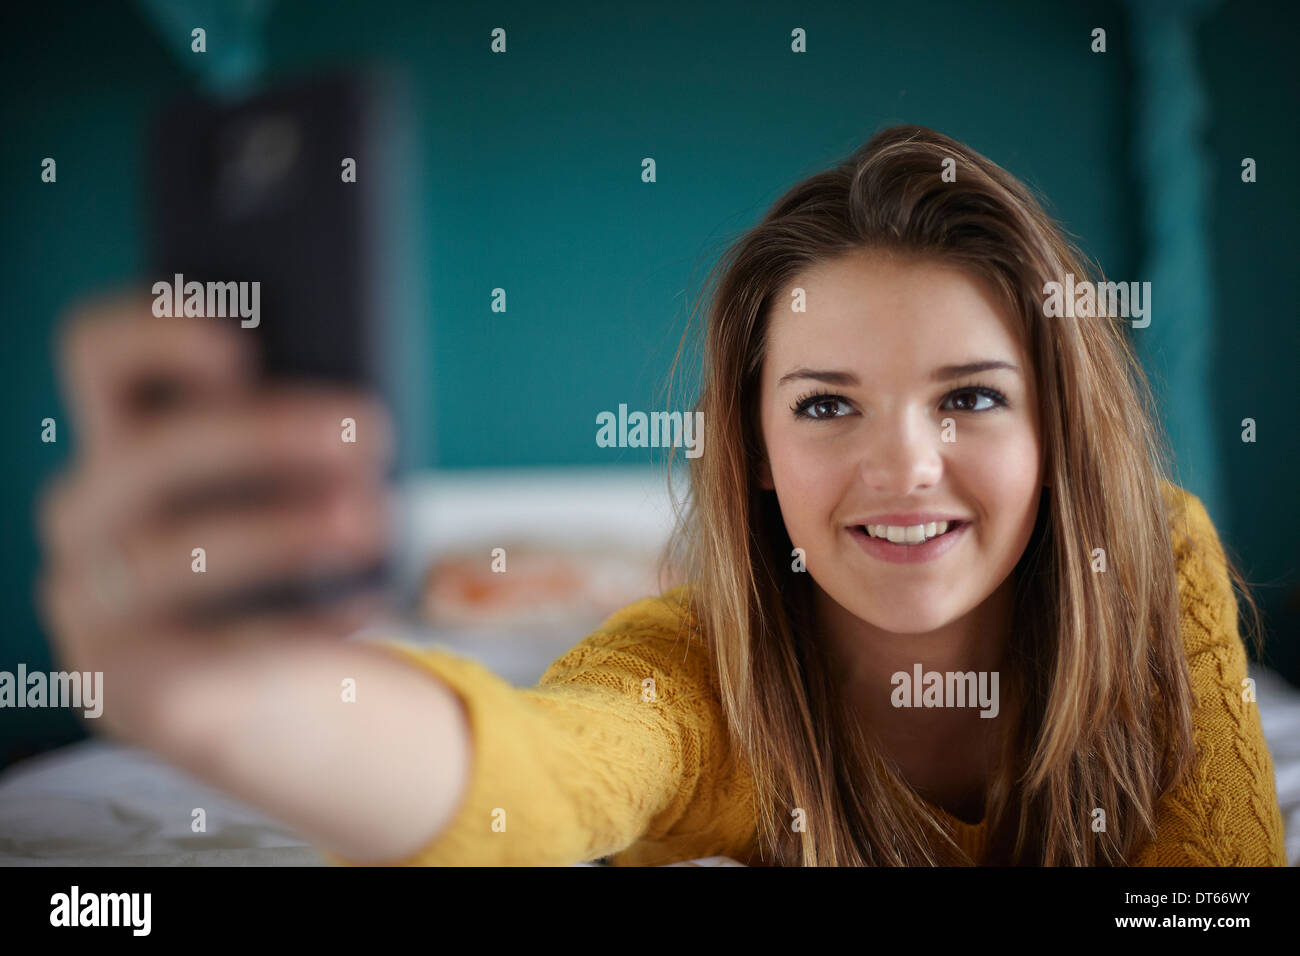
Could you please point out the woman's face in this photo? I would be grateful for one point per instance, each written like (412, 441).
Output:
(900, 398)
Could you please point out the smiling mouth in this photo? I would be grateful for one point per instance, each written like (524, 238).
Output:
(912, 535)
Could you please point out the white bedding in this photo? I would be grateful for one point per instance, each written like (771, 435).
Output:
(97, 803)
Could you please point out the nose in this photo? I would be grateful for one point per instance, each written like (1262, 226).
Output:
(901, 455)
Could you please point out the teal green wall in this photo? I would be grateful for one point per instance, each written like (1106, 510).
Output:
(1248, 52)
(77, 85)
(532, 183)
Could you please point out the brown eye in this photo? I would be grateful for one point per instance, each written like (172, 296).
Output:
(978, 399)
(819, 407)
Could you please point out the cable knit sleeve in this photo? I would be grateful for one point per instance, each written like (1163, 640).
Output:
(1226, 813)
(617, 751)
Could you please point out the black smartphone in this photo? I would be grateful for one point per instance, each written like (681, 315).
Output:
(285, 212)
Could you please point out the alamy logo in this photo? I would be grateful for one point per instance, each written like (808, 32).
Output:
(950, 689)
(55, 689)
(1100, 300)
(102, 909)
(656, 430)
(213, 299)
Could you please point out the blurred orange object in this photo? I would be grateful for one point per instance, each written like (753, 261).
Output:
(535, 585)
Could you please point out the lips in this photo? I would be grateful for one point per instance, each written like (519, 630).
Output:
(910, 553)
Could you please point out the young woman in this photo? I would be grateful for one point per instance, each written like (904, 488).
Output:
(941, 606)
(875, 306)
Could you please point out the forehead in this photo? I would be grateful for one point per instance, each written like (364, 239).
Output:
(876, 311)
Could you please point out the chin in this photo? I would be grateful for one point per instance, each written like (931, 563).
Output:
(912, 624)
(919, 616)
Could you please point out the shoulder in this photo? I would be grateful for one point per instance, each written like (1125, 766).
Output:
(1225, 812)
(1207, 619)
(670, 615)
(653, 654)
(655, 635)
(1207, 604)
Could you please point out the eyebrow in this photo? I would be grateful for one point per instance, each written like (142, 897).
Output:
(941, 374)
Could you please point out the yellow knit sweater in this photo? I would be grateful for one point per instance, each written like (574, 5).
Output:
(590, 764)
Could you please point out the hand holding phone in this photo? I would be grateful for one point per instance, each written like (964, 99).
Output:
(166, 511)
(270, 218)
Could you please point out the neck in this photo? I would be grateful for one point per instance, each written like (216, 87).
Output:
(943, 751)
(867, 657)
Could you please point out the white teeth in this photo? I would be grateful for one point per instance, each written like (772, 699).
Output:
(912, 534)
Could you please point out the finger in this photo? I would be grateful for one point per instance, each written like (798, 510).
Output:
(294, 435)
(111, 349)
(338, 620)
(347, 530)
(128, 660)
(140, 665)
(155, 571)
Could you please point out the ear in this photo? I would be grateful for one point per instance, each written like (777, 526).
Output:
(765, 475)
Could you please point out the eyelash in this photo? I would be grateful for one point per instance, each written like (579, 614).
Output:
(804, 402)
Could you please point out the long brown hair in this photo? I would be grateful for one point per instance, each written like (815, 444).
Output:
(1101, 713)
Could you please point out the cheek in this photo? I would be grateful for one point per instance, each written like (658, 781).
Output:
(810, 478)
(1003, 476)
